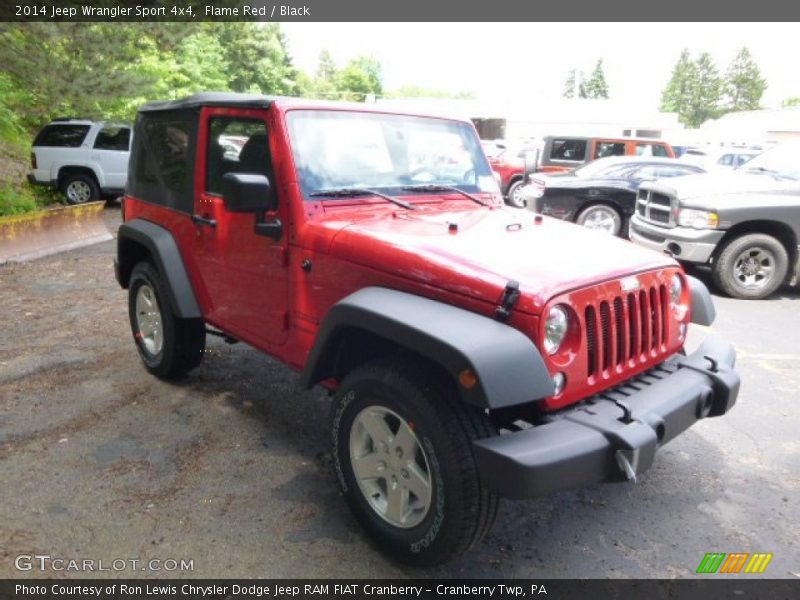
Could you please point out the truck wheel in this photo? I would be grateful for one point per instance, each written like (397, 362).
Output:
(80, 188)
(402, 446)
(169, 346)
(514, 195)
(751, 266)
(601, 217)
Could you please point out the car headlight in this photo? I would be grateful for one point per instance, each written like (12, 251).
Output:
(555, 329)
(697, 219)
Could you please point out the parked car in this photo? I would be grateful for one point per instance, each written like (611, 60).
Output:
(718, 156)
(565, 153)
(744, 223)
(508, 161)
(602, 194)
(86, 160)
(471, 352)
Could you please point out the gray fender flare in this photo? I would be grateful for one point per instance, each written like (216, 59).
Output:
(164, 251)
(703, 312)
(508, 366)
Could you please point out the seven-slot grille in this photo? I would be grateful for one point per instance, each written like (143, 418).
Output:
(622, 329)
(655, 207)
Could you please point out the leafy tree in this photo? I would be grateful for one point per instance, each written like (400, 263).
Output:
(569, 85)
(257, 58)
(791, 102)
(596, 86)
(744, 85)
(360, 77)
(707, 93)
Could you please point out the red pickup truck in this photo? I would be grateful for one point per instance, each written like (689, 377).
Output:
(471, 351)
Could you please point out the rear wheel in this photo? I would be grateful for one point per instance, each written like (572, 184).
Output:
(168, 345)
(751, 266)
(514, 196)
(601, 217)
(80, 188)
(402, 447)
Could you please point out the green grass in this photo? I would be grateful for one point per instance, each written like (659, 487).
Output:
(17, 199)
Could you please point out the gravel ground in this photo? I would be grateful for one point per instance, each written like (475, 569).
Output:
(229, 468)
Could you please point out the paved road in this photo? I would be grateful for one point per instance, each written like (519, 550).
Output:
(228, 468)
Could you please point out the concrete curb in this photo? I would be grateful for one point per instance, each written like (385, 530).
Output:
(44, 232)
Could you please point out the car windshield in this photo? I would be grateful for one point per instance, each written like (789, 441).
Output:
(602, 167)
(783, 161)
(338, 150)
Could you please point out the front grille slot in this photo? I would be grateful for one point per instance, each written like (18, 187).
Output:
(621, 330)
(655, 207)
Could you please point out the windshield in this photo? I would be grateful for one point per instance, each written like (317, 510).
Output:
(783, 160)
(337, 149)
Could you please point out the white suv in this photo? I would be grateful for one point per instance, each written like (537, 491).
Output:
(86, 160)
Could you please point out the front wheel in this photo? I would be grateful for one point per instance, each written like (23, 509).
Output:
(514, 196)
(751, 266)
(402, 446)
(601, 217)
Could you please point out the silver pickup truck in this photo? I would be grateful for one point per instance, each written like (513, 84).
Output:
(744, 223)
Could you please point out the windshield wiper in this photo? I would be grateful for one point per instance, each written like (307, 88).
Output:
(358, 191)
(760, 170)
(438, 187)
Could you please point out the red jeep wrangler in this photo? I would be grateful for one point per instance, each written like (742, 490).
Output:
(472, 351)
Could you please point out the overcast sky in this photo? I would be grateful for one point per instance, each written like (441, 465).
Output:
(493, 60)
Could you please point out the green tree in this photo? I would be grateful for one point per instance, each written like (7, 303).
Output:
(596, 86)
(360, 77)
(694, 90)
(791, 102)
(569, 85)
(744, 85)
(257, 58)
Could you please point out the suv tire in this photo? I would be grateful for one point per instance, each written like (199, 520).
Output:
(410, 430)
(169, 346)
(80, 188)
(751, 266)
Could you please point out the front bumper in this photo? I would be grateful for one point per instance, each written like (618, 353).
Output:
(613, 436)
(695, 245)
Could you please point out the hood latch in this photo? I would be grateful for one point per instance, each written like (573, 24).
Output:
(508, 301)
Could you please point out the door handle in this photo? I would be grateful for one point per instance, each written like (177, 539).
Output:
(199, 220)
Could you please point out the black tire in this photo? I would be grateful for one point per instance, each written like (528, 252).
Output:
(79, 188)
(512, 195)
(183, 341)
(617, 222)
(461, 511)
(741, 256)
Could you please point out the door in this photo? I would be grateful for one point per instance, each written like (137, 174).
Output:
(111, 152)
(244, 275)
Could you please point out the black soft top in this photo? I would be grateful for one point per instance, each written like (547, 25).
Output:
(211, 99)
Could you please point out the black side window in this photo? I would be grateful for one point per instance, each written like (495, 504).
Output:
(113, 138)
(236, 145)
(62, 136)
(659, 150)
(603, 149)
(169, 143)
(568, 150)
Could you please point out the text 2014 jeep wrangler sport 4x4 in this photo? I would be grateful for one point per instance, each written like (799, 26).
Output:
(473, 351)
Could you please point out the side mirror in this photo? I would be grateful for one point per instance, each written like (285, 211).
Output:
(531, 162)
(247, 192)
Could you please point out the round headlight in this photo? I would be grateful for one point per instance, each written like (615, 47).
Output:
(675, 289)
(555, 329)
